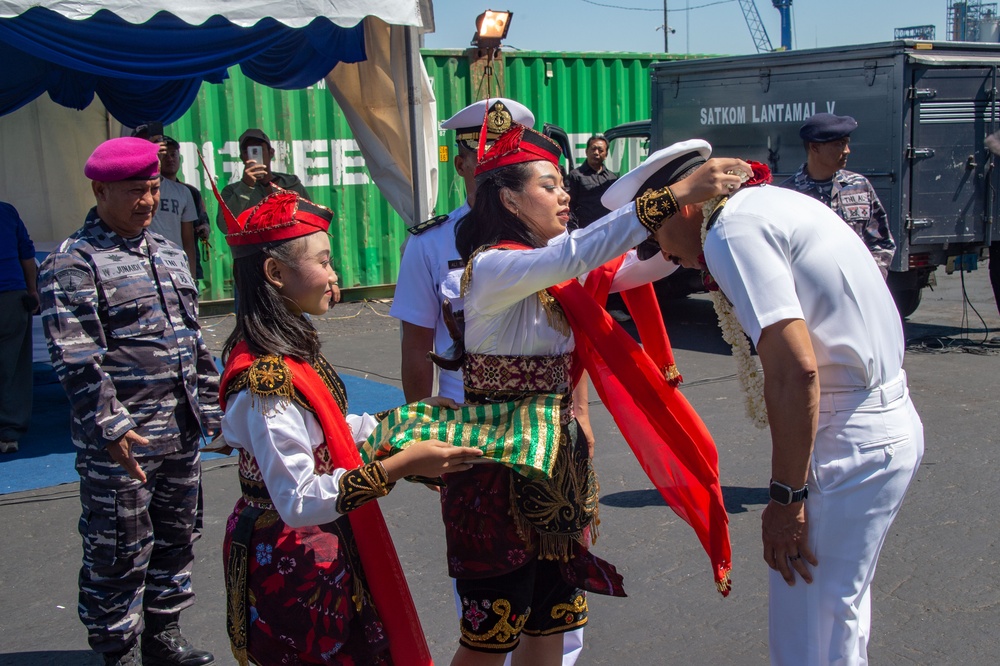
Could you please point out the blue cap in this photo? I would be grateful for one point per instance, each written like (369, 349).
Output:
(823, 127)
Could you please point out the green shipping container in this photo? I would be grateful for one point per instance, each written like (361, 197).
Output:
(583, 93)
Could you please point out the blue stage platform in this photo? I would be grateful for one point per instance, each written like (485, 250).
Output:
(46, 454)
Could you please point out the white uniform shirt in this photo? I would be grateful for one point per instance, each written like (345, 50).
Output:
(503, 316)
(778, 254)
(282, 437)
(176, 208)
(429, 272)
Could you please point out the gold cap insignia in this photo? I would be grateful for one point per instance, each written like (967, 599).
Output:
(498, 120)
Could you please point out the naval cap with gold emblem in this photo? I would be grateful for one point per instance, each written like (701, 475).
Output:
(501, 114)
(660, 169)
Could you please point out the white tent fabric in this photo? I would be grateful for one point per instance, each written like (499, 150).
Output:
(41, 167)
(375, 96)
(295, 14)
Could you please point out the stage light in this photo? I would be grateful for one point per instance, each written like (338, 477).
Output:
(491, 29)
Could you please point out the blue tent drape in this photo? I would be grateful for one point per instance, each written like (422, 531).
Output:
(154, 70)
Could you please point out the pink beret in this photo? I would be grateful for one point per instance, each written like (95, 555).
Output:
(126, 158)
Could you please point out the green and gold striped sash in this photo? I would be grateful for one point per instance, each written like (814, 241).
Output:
(524, 434)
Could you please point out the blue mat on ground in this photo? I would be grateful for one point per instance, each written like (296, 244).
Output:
(46, 455)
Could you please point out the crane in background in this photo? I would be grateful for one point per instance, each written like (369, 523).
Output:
(757, 31)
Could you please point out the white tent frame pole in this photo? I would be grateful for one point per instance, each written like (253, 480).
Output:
(418, 144)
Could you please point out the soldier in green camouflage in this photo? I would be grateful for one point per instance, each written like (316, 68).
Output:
(120, 312)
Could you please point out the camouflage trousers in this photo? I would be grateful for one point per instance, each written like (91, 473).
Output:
(137, 542)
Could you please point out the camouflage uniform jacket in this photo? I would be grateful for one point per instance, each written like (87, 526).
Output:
(121, 320)
(853, 198)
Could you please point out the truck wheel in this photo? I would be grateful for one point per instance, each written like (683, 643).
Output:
(907, 301)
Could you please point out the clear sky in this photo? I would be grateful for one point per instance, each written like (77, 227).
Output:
(708, 26)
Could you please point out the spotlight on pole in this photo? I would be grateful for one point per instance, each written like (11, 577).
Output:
(491, 29)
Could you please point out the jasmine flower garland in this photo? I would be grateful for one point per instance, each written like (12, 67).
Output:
(750, 375)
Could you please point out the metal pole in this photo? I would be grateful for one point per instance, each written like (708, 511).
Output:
(666, 29)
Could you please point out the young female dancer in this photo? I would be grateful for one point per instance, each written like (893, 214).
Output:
(311, 574)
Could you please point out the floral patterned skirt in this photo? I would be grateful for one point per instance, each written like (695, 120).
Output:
(306, 598)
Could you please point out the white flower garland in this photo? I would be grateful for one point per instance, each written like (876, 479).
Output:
(750, 374)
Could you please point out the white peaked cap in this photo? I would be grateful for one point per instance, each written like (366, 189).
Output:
(676, 159)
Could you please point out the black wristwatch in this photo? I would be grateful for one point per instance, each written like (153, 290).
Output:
(782, 494)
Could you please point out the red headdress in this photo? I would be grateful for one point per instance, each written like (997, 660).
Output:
(280, 216)
(516, 145)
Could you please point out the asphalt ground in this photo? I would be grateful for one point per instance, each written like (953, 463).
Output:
(936, 600)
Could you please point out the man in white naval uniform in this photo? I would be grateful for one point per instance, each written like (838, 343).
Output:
(431, 271)
(846, 440)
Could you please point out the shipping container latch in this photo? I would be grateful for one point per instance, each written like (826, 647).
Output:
(919, 223)
(921, 93)
(918, 153)
(870, 69)
(765, 80)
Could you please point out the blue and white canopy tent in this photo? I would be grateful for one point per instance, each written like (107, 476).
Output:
(148, 59)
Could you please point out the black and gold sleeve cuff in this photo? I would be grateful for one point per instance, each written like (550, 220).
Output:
(654, 206)
(362, 485)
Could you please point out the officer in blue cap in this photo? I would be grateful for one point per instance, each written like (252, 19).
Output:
(827, 140)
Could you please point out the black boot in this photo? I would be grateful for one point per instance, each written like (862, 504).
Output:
(164, 645)
(128, 657)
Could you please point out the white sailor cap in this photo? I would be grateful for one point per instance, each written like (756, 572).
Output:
(659, 170)
(468, 122)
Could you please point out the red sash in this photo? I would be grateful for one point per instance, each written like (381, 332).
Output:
(391, 595)
(669, 439)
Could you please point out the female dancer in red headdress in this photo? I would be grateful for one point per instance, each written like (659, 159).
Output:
(311, 573)
(531, 328)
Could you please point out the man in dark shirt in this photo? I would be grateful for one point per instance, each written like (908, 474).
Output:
(588, 182)
(258, 180)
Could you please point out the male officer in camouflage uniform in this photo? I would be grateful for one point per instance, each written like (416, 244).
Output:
(120, 314)
(827, 141)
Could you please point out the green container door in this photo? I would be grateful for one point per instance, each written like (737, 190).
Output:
(583, 93)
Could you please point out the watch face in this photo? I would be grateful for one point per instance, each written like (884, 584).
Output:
(780, 493)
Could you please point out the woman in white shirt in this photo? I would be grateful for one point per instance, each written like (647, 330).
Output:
(525, 585)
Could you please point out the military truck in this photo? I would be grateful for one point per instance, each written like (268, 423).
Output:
(923, 108)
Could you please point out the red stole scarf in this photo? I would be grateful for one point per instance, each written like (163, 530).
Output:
(391, 595)
(669, 439)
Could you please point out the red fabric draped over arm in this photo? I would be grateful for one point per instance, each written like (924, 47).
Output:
(669, 439)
